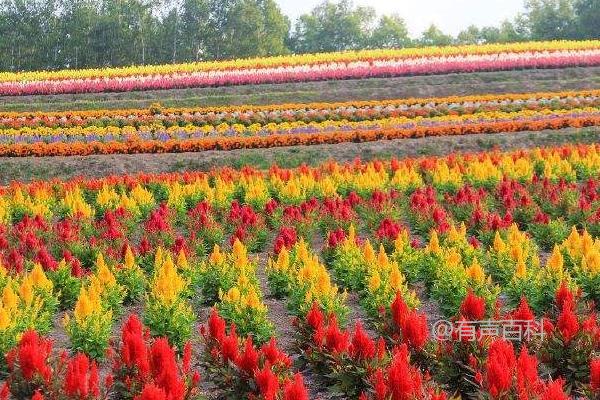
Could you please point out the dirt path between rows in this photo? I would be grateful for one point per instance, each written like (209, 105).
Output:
(44, 168)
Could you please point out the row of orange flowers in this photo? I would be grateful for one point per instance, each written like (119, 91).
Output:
(230, 143)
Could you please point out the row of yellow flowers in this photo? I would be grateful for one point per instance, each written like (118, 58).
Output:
(302, 59)
(101, 133)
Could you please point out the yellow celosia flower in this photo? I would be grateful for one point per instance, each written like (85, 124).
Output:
(103, 274)
(167, 285)
(129, 259)
(233, 295)
(239, 251)
(382, 259)
(182, 261)
(499, 245)
(9, 297)
(555, 261)
(5, 320)
(521, 271)
(39, 278)
(26, 290)
(475, 272)
(591, 262)
(158, 258)
(434, 243)
(216, 257)
(453, 258)
(396, 278)
(87, 304)
(252, 300)
(283, 261)
(374, 281)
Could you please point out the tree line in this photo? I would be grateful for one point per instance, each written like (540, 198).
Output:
(55, 34)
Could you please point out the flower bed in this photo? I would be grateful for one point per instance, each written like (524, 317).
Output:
(127, 268)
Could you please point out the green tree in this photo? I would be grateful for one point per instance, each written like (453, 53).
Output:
(333, 27)
(551, 19)
(390, 32)
(587, 19)
(471, 35)
(433, 36)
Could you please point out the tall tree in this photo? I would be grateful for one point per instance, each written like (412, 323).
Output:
(433, 36)
(551, 19)
(333, 27)
(588, 18)
(391, 32)
(471, 35)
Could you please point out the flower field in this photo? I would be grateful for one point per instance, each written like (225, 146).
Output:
(159, 130)
(304, 68)
(154, 287)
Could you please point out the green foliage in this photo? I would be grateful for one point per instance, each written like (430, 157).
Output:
(174, 321)
(66, 286)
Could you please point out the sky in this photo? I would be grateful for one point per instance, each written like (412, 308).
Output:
(451, 16)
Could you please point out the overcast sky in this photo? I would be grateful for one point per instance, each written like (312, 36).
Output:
(449, 15)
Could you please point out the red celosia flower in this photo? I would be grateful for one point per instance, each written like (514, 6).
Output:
(216, 326)
(388, 230)
(286, 237)
(404, 381)
(315, 317)
(500, 366)
(196, 378)
(152, 392)
(595, 374)
(187, 358)
(590, 326)
(567, 323)
(472, 307)
(274, 355)
(399, 310)
(270, 206)
(134, 352)
(295, 390)
(163, 365)
(4, 391)
(379, 385)
(362, 346)
(414, 330)
(555, 391)
(267, 382)
(32, 354)
(528, 381)
(336, 237)
(229, 346)
(81, 379)
(523, 311)
(564, 296)
(248, 359)
(336, 341)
